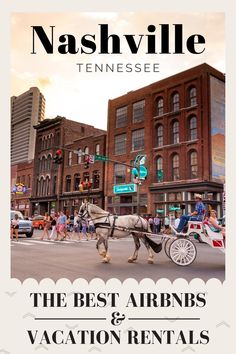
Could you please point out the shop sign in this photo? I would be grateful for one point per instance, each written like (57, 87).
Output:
(19, 189)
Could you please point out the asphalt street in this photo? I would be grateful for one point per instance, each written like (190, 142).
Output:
(32, 258)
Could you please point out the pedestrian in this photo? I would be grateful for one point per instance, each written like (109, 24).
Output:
(84, 223)
(91, 228)
(61, 225)
(76, 223)
(15, 227)
(47, 225)
(156, 224)
(150, 221)
(53, 225)
(197, 215)
(177, 220)
(167, 222)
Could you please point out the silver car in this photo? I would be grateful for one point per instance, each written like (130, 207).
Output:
(25, 226)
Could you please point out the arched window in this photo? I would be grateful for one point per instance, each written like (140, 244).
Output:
(159, 106)
(86, 180)
(38, 188)
(47, 186)
(192, 96)
(76, 181)
(160, 135)
(193, 128)
(175, 104)
(54, 185)
(43, 164)
(41, 187)
(86, 152)
(96, 179)
(159, 171)
(68, 184)
(49, 162)
(193, 164)
(175, 167)
(69, 158)
(175, 132)
(79, 155)
(97, 149)
(44, 187)
(39, 165)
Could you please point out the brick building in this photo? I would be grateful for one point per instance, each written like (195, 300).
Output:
(59, 186)
(21, 186)
(178, 123)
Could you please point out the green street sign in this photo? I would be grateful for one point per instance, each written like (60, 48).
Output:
(101, 158)
(159, 211)
(124, 188)
(174, 208)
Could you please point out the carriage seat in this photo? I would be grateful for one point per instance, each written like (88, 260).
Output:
(214, 235)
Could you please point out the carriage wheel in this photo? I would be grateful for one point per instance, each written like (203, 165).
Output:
(167, 246)
(183, 251)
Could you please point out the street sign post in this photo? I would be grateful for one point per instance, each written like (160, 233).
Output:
(101, 158)
(125, 188)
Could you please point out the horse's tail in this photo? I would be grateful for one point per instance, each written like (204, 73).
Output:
(157, 247)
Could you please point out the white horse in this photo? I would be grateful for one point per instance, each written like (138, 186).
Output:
(108, 225)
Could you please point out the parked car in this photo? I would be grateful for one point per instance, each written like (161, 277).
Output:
(25, 226)
(38, 222)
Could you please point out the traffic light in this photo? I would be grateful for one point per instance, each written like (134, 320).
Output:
(58, 157)
(86, 161)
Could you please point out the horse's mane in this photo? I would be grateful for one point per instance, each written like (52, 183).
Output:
(97, 209)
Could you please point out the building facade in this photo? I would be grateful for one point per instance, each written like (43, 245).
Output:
(64, 186)
(27, 110)
(21, 187)
(178, 123)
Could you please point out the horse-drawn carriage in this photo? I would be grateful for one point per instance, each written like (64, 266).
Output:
(179, 247)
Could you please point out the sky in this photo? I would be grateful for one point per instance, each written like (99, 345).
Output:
(84, 96)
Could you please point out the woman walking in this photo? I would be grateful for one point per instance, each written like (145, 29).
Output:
(15, 227)
(53, 224)
(47, 225)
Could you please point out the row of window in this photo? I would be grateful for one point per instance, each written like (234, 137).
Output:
(26, 180)
(45, 163)
(82, 153)
(175, 167)
(175, 131)
(138, 138)
(137, 142)
(43, 184)
(138, 108)
(47, 141)
(120, 170)
(77, 180)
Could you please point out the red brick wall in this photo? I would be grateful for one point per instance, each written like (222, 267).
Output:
(199, 77)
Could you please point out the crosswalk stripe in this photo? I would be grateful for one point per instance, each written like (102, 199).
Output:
(23, 243)
(39, 241)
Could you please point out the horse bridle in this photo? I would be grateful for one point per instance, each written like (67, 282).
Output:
(85, 213)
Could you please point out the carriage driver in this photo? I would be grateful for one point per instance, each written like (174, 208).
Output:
(197, 215)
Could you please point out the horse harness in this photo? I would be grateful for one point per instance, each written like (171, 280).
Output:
(107, 225)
